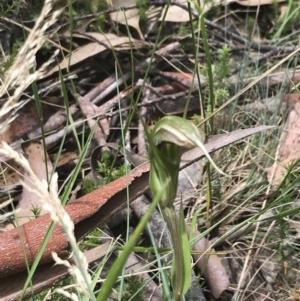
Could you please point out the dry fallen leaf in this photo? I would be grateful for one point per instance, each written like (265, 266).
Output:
(27, 121)
(34, 152)
(177, 14)
(210, 267)
(280, 78)
(10, 173)
(129, 17)
(106, 41)
(255, 2)
(64, 158)
(288, 149)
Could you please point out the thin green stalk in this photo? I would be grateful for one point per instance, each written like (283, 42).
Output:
(38, 104)
(118, 265)
(209, 69)
(196, 72)
(172, 221)
(127, 188)
(67, 107)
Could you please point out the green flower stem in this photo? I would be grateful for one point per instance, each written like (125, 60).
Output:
(178, 260)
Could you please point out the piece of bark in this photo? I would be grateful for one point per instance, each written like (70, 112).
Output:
(12, 286)
(25, 241)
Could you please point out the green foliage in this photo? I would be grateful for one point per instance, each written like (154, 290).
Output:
(183, 30)
(222, 68)
(46, 47)
(10, 60)
(143, 6)
(250, 23)
(89, 186)
(197, 118)
(54, 296)
(101, 23)
(91, 240)
(132, 289)
(220, 96)
(34, 16)
(286, 24)
(8, 7)
(98, 6)
(109, 174)
(36, 211)
(276, 10)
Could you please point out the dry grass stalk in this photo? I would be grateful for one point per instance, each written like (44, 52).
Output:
(18, 77)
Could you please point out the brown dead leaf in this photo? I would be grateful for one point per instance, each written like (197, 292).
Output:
(27, 121)
(291, 99)
(255, 2)
(177, 14)
(280, 78)
(64, 158)
(10, 173)
(288, 149)
(34, 152)
(210, 267)
(129, 17)
(107, 41)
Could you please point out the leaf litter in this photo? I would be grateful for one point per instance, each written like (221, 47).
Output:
(103, 95)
